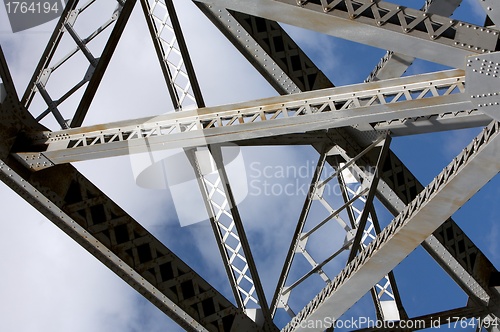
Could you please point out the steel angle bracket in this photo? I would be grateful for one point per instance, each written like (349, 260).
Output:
(482, 75)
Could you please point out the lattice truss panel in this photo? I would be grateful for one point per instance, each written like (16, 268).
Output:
(342, 189)
(356, 170)
(164, 26)
(72, 67)
(225, 221)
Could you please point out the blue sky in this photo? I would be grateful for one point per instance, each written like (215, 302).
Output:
(49, 283)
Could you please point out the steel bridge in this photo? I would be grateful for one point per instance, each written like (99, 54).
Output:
(350, 127)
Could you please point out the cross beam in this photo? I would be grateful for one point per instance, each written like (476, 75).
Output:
(422, 95)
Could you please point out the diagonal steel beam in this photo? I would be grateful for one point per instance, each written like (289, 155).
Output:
(94, 221)
(121, 15)
(6, 82)
(458, 182)
(278, 298)
(269, 49)
(378, 24)
(357, 243)
(89, 217)
(172, 53)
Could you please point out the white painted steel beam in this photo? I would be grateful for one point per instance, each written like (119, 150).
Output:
(379, 24)
(172, 53)
(454, 186)
(415, 96)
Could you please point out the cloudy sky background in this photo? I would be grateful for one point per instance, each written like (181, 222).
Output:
(49, 283)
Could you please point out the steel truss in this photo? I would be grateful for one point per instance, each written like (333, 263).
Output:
(350, 126)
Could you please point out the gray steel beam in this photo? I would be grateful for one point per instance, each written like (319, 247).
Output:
(434, 123)
(277, 300)
(100, 226)
(243, 241)
(378, 24)
(6, 81)
(121, 16)
(366, 103)
(90, 218)
(454, 186)
(357, 243)
(269, 49)
(395, 64)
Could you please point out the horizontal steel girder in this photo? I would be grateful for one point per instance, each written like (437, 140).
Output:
(379, 24)
(454, 186)
(422, 95)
